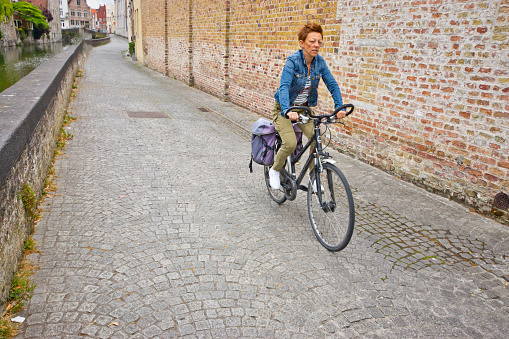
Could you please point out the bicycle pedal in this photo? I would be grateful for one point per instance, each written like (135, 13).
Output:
(303, 188)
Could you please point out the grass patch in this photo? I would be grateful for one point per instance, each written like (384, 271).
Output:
(30, 201)
(21, 291)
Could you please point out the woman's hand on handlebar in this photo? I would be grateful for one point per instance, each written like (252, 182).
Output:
(293, 116)
(341, 115)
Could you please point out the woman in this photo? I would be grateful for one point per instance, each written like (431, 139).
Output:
(299, 87)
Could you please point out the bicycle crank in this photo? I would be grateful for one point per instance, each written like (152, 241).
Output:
(289, 186)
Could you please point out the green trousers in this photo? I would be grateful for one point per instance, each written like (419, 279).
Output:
(285, 129)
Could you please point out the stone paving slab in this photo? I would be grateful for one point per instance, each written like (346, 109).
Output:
(158, 230)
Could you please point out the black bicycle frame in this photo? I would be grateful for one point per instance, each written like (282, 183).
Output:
(313, 156)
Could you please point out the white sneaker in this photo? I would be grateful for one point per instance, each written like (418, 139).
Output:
(314, 187)
(274, 179)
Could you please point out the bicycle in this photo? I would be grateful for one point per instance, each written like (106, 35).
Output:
(329, 197)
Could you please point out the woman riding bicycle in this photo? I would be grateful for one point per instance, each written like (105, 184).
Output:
(299, 87)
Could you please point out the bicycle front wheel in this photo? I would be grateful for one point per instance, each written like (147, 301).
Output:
(333, 219)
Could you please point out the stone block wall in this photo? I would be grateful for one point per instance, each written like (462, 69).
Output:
(9, 35)
(30, 119)
(429, 78)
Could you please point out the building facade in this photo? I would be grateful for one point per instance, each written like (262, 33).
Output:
(429, 79)
(55, 27)
(121, 18)
(64, 14)
(138, 30)
(110, 18)
(94, 23)
(79, 14)
(101, 18)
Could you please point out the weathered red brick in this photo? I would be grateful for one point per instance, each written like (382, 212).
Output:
(491, 177)
(465, 115)
(503, 164)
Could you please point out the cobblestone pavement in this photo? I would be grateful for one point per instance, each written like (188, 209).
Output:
(158, 230)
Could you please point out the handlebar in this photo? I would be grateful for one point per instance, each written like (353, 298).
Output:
(347, 107)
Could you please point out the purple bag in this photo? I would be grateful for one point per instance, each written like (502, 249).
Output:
(263, 140)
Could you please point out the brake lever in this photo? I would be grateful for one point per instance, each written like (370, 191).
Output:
(303, 118)
(336, 121)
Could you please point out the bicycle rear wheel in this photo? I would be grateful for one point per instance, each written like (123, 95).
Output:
(333, 221)
(276, 195)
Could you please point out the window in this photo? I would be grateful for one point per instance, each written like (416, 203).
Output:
(79, 13)
(61, 12)
(78, 2)
(73, 13)
(85, 14)
(72, 22)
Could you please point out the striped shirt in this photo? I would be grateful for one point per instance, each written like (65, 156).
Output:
(303, 96)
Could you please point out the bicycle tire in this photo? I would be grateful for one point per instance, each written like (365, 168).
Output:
(279, 195)
(276, 195)
(333, 222)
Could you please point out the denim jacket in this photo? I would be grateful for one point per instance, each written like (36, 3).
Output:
(294, 79)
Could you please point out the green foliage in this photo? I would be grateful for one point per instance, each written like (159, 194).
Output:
(22, 34)
(131, 48)
(29, 12)
(29, 199)
(6, 10)
(30, 245)
(21, 290)
(7, 329)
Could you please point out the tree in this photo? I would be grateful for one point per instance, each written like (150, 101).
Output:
(47, 14)
(6, 10)
(29, 12)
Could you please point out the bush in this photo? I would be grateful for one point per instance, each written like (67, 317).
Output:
(131, 48)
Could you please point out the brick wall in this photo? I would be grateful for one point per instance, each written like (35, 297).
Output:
(180, 40)
(154, 46)
(429, 78)
(210, 46)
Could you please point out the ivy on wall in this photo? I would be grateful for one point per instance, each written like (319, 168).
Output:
(6, 10)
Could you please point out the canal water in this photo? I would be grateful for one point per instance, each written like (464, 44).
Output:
(17, 62)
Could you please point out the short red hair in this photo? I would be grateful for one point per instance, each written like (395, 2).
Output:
(307, 28)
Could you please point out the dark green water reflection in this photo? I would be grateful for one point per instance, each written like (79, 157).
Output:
(17, 62)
